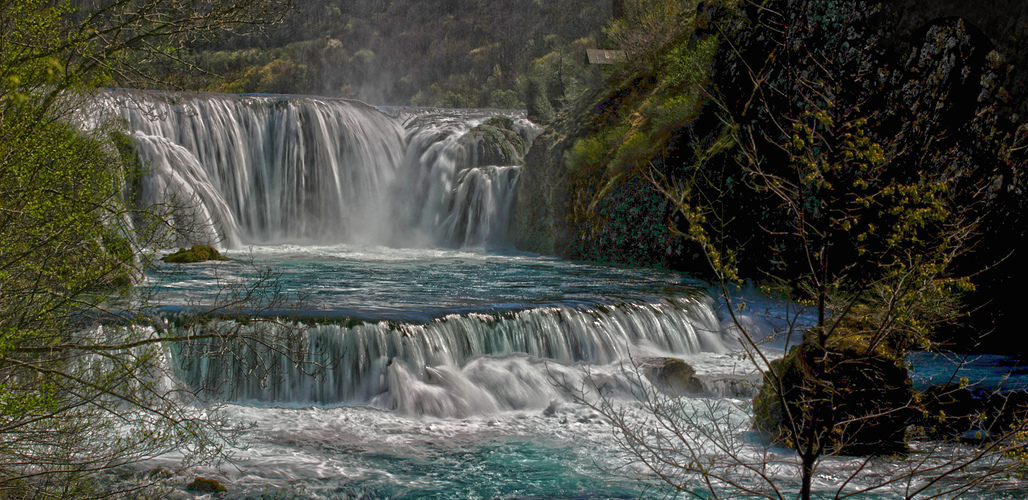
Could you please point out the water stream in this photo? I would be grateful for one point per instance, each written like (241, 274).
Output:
(446, 360)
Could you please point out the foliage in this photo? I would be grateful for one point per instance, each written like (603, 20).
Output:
(869, 252)
(84, 382)
(646, 27)
(443, 53)
(658, 111)
(622, 216)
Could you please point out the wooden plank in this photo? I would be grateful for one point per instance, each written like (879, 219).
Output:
(598, 56)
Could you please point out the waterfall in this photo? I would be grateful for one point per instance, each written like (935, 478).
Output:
(470, 360)
(456, 196)
(264, 170)
(243, 170)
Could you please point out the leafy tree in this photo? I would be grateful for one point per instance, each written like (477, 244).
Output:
(84, 382)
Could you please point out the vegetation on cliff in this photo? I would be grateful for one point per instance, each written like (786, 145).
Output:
(937, 98)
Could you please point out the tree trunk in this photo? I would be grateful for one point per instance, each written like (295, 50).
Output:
(807, 475)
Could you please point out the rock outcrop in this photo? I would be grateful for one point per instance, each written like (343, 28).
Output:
(495, 142)
(672, 376)
(204, 485)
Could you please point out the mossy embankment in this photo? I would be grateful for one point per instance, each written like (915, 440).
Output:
(585, 191)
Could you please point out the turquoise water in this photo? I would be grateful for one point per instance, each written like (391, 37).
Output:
(376, 283)
(444, 420)
(449, 373)
(986, 372)
(530, 442)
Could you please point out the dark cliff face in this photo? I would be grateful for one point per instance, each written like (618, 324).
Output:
(540, 213)
(940, 94)
(943, 87)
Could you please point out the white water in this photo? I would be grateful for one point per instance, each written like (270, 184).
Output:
(437, 368)
(264, 169)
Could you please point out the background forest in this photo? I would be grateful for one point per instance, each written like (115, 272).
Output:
(444, 53)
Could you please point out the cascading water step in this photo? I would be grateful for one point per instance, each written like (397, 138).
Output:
(243, 170)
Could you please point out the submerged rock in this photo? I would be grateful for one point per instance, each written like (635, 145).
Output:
(198, 253)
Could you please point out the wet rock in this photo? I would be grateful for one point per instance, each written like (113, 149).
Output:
(204, 485)
(858, 403)
(672, 376)
(496, 142)
(730, 386)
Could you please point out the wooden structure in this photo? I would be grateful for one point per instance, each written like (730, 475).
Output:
(598, 56)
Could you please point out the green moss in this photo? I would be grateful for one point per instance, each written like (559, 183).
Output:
(645, 118)
(497, 142)
(198, 253)
(204, 485)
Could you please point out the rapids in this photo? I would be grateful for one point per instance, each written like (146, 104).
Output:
(439, 361)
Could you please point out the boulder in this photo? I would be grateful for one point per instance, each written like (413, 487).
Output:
(198, 253)
(850, 401)
(672, 375)
(496, 142)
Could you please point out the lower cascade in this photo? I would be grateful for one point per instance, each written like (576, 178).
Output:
(456, 365)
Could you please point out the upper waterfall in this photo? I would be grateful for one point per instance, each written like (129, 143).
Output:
(238, 170)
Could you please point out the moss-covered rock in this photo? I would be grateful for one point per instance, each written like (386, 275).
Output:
(198, 253)
(204, 485)
(495, 142)
(850, 401)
